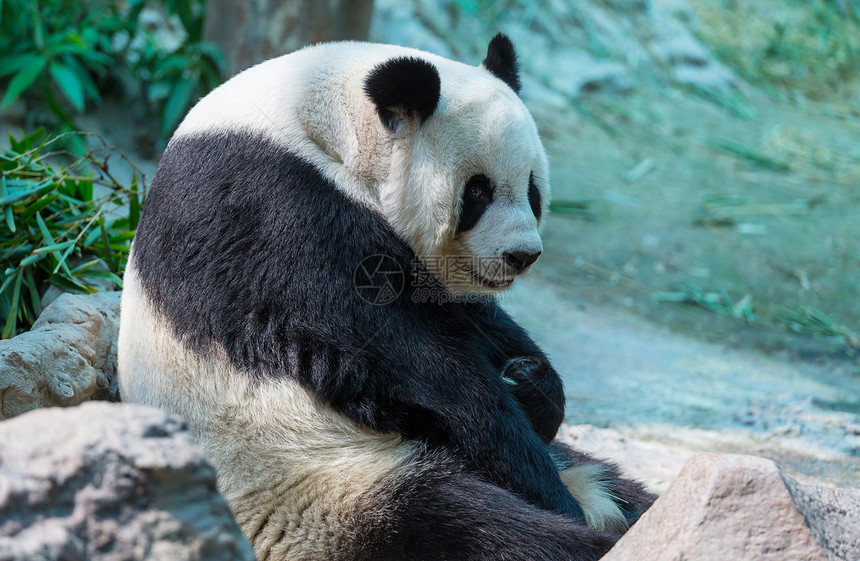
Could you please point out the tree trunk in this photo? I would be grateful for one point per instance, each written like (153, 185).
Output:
(251, 31)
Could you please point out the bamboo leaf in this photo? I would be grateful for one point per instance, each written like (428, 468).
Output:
(10, 198)
(104, 275)
(43, 228)
(81, 268)
(62, 262)
(10, 276)
(13, 63)
(55, 247)
(69, 83)
(105, 241)
(24, 79)
(176, 104)
(71, 284)
(35, 299)
(133, 206)
(29, 260)
(7, 212)
(37, 206)
(12, 320)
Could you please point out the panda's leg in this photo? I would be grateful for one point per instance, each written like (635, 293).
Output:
(435, 512)
(611, 502)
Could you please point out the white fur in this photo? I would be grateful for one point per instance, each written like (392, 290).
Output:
(313, 102)
(274, 446)
(601, 512)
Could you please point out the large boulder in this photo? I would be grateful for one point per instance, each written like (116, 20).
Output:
(106, 481)
(744, 508)
(68, 357)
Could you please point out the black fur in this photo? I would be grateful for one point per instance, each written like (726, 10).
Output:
(534, 197)
(473, 207)
(502, 62)
(403, 86)
(539, 392)
(536, 386)
(443, 513)
(245, 245)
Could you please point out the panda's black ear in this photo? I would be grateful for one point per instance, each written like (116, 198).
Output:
(403, 88)
(502, 62)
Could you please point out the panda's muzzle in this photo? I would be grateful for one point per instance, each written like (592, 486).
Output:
(489, 283)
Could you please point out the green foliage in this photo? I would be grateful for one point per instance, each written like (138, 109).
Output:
(69, 226)
(582, 209)
(57, 51)
(173, 79)
(717, 302)
(66, 54)
(812, 321)
(806, 46)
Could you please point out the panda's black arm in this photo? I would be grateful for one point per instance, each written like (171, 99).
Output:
(503, 338)
(533, 381)
(428, 392)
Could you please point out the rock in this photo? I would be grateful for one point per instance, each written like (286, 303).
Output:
(68, 357)
(744, 508)
(675, 47)
(399, 23)
(534, 92)
(573, 72)
(572, 48)
(106, 481)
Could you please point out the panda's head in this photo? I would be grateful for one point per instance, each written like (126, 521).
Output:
(447, 152)
(467, 182)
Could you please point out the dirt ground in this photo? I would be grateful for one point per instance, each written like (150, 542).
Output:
(674, 293)
(684, 200)
(655, 386)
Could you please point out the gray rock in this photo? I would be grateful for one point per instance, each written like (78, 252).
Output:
(679, 49)
(535, 93)
(675, 47)
(573, 72)
(69, 356)
(571, 48)
(629, 5)
(713, 77)
(833, 517)
(399, 23)
(744, 508)
(110, 482)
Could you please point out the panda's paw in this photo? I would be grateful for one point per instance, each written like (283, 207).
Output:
(537, 389)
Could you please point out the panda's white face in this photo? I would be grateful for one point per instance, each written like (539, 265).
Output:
(468, 187)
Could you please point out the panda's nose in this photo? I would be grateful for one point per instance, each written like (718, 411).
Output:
(519, 260)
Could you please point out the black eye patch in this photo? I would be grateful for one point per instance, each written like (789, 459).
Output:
(534, 197)
(477, 196)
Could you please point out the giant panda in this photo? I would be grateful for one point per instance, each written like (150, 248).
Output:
(344, 427)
